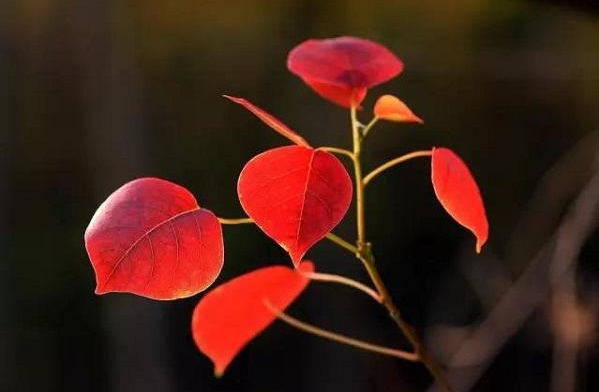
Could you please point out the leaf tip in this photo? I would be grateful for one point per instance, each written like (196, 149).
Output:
(481, 240)
(296, 257)
(230, 97)
(219, 371)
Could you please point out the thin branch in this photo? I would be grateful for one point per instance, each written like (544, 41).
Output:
(323, 333)
(344, 281)
(342, 243)
(370, 176)
(368, 127)
(566, 333)
(427, 360)
(236, 221)
(330, 236)
(359, 184)
(339, 151)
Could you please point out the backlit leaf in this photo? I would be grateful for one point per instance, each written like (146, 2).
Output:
(342, 69)
(270, 120)
(391, 108)
(231, 315)
(346, 97)
(151, 238)
(458, 193)
(296, 195)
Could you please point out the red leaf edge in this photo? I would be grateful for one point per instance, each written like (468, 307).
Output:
(270, 120)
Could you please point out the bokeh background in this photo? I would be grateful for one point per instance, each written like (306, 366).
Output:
(96, 93)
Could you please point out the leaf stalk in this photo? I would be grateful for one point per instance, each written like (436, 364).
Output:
(396, 161)
(323, 333)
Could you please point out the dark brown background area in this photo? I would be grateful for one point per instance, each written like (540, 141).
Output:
(96, 93)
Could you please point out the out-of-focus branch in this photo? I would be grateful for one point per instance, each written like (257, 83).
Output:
(566, 330)
(562, 276)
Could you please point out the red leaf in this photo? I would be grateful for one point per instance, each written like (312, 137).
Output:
(340, 95)
(270, 120)
(458, 193)
(230, 316)
(391, 108)
(296, 195)
(348, 64)
(151, 238)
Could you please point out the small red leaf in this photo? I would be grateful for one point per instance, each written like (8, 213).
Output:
(391, 108)
(458, 193)
(296, 195)
(270, 120)
(231, 315)
(342, 69)
(151, 238)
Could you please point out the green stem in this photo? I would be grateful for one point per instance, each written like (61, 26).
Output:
(367, 258)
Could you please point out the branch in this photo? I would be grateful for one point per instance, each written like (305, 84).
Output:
(235, 221)
(370, 176)
(323, 333)
(344, 281)
(339, 151)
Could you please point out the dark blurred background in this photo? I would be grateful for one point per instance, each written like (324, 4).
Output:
(96, 93)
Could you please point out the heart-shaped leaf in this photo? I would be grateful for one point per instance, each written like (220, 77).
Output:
(391, 108)
(296, 195)
(232, 314)
(151, 238)
(458, 193)
(270, 120)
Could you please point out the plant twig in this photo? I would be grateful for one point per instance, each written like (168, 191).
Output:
(370, 176)
(342, 243)
(368, 127)
(235, 221)
(323, 333)
(339, 151)
(357, 147)
(322, 277)
(434, 369)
